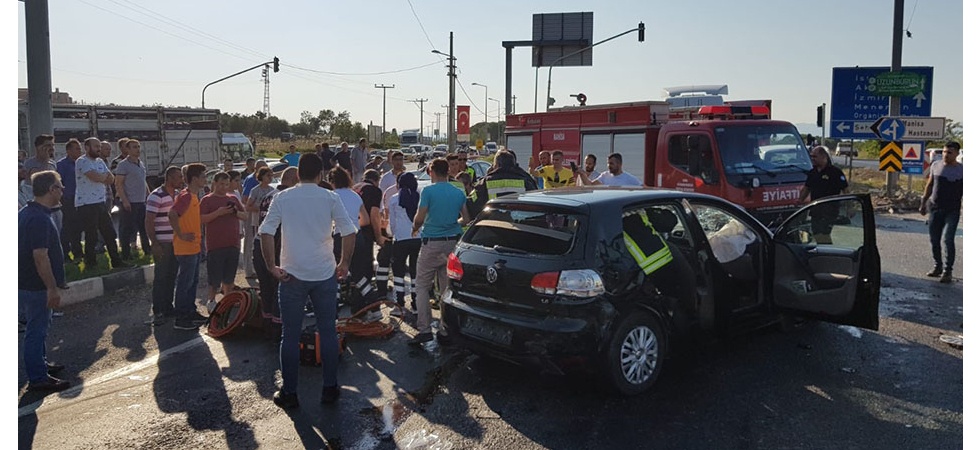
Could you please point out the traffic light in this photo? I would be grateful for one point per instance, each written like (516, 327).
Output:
(581, 99)
(275, 64)
(642, 33)
(820, 116)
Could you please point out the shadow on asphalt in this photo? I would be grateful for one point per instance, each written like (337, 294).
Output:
(820, 387)
(191, 382)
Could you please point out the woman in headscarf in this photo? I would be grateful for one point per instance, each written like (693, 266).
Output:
(401, 211)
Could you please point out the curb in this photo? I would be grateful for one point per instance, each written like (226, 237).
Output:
(89, 288)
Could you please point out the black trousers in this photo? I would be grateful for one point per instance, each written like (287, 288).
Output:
(402, 251)
(268, 284)
(71, 230)
(131, 223)
(384, 267)
(94, 218)
(362, 271)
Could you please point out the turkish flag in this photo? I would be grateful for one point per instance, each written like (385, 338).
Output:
(463, 119)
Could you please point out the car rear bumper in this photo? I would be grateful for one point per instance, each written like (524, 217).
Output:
(553, 343)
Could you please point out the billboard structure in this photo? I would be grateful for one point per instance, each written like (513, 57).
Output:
(554, 28)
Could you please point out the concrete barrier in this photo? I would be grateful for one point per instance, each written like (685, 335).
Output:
(89, 288)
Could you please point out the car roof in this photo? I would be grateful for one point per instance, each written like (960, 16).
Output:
(599, 196)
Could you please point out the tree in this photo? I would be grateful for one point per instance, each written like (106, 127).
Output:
(327, 117)
(314, 124)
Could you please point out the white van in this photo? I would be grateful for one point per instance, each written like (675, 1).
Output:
(845, 149)
(236, 146)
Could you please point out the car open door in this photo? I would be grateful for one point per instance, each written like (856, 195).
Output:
(827, 264)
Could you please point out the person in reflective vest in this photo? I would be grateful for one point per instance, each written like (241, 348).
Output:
(645, 243)
(505, 178)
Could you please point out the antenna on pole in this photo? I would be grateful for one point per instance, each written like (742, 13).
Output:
(265, 97)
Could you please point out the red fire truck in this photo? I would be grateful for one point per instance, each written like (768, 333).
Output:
(735, 152)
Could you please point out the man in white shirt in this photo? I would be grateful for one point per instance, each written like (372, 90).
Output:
(612, 177)
(92, 178)
(307, 271)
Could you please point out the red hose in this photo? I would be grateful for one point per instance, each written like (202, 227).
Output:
(221, 323)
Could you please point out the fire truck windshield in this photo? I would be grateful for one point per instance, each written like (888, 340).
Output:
(774, 151)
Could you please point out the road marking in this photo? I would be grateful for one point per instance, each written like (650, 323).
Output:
(74, 391)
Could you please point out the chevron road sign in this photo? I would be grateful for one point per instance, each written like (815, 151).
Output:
(890, 157)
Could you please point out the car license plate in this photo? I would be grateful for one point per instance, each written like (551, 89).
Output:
(485, 330)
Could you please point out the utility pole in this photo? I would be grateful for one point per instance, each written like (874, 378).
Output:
(265, 97)
(384, 107)
(895, 104)
(438, 124)
(451, 133)
(420, 101)
(39, 116)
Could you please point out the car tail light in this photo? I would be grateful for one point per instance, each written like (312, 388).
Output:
(574, 283)
(454, 268)
(545, 283)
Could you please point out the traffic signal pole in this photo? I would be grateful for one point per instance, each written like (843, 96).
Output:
(895, 104)
(275, 68)
(641, 29)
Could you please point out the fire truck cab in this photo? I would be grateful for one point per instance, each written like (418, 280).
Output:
(734, 152)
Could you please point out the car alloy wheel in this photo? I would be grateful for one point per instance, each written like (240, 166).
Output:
(639, 355)
(635, 354)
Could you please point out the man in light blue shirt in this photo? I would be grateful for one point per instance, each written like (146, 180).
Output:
(440, 208)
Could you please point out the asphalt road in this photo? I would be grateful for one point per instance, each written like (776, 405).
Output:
(824, 386)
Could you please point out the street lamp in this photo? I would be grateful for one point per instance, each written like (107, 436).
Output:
(498, 113)
(486, 120)
(451, 129)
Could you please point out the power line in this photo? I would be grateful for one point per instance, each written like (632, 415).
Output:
(162, 18)
(363, 73)
(472, 103)
(164, 31)
(433, 46)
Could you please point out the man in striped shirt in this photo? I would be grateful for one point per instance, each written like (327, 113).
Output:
(161, 236)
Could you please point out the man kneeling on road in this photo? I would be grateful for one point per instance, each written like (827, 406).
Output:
(307, 271)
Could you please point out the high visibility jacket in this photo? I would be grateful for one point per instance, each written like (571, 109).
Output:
(644, 243)
(501, 181)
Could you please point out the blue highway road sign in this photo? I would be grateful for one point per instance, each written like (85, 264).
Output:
(854, 108)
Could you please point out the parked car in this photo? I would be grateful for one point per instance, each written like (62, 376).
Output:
(409, 154)
(479, 167)
(545, 278)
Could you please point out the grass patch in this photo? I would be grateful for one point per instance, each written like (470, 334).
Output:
(79, 271)
(863, 180)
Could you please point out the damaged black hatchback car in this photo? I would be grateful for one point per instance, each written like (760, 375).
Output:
(608, 278)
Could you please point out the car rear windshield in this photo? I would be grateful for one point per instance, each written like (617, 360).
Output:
(509, 229)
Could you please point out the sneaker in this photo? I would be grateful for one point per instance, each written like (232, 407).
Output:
(50, 384)
(420, 339)
(54, 368)
(198, 319)
(947, 277)
(185, 324)
(395, 312)
(211, 305)
(329, 395)
(285, 400)
(372, 316)
(935, 273)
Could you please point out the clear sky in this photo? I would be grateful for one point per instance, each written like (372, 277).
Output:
(135, 52)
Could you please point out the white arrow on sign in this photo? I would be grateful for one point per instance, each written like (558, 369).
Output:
(918, 99)
(841, 127)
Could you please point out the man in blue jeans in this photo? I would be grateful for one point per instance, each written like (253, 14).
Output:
(307, 270)
(41, 270)
(943, 199)
(185, 220)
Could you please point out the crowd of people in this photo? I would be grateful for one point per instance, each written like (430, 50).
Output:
(336, 218)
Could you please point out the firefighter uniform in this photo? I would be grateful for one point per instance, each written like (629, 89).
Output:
(501, 181)
(644, 243)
